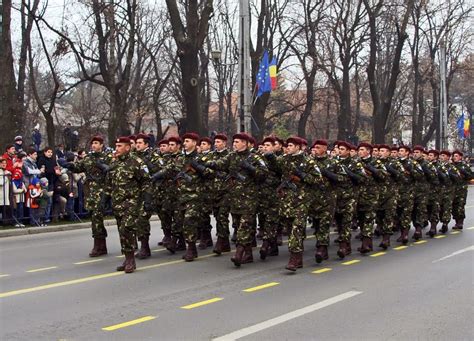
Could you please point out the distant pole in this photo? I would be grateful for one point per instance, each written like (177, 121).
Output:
(245, 116)
(443, 101)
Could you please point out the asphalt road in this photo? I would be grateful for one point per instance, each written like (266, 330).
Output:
(51, 290)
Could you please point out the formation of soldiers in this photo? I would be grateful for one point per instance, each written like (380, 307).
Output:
(378, 189)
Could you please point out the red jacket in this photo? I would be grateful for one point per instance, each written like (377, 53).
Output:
(10, 161)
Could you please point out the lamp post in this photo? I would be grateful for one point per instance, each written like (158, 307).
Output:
(216, 58)
(244, 67)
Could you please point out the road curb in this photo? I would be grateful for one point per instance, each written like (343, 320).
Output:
(56, 228)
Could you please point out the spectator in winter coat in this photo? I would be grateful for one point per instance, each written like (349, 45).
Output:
(52, 171)
(30, 169)
(36, 138)
(5, 193)
(19, 192)
(18, 143)
(10, 157)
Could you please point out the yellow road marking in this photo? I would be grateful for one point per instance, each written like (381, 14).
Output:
(129, 323)
(420, 242)
(440, 236)
(398, 248)
(470, 228)
(5, 275)
(89, 261)
(455, 232)
(200, 304)
(42, 269)
(320, 271)
(470, 206)
(351, 262)
(121, 256)
(158, 250)
(378, 254)
(260, 287)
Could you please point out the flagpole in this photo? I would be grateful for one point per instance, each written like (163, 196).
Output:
(244, 67)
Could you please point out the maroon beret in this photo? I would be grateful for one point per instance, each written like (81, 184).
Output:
(192, 136)
(352, 146)
(279, 140)
(405, 147)
(270, 139)
(132, 137)
(220, 137)
(375, 146)
(418, 147)
(144, 137)
(343, 144)
(175, 139)
(295, 140)
(252, 140)
(123, 139)
(434, 151)
(384, 146)
(365, 145)
(304, 141)
(97, 138)
(457, 151)
(394, 148)
(164, 141)
(320, 143)
(241, 136)
(445, 152)
(206, 139)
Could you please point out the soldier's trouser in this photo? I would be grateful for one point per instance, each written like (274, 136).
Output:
(459, 202)
(192, 218)
(385, 214)
(245, 227)
(365, 220)
(446, 204)
(235, 221)
(420, 211)
(126, 220)
(322, 214)
(405, 208)
(206, 211)
(177, 223)
(433, 209)
(221, 213)
(345, 209)
(143, 224)
(296, 226)
(98, 228)
(166, 218)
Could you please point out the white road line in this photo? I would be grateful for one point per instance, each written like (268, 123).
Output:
(286, 317)
(467, 249)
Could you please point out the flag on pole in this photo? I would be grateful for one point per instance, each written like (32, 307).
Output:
(263, 78)
(273, 73)
(463, 125)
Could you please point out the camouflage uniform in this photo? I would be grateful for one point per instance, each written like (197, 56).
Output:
(420, 200)
(220, 202)
(460, 192)
(127, 175)
(207, 198)
(433, 194)
(143, 222)
(94, 189)
(449, 176)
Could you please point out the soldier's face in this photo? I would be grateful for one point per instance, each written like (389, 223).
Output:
(260, 148)
(335, 150)
(394, 153)
(278, 146)
(219, 144)
(132, 145)
(319, 150)
(205, 147)
(384, 153)
(96, 146)
(417, 154)
(141, 145)
(189, 145)
(375, 152)
(268, 147)
(353, 152)
(363, 152)
(457, 157)
(403, 153)
(122, 148)
(164, 148)
(174, 147)
(432, 157)
(293, 148)
(239, 145)
(344, 152)
(444, 157)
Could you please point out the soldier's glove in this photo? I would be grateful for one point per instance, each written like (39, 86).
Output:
(148, 202)
(374, 170)
(102, 166)
(354, 177)
(211, 164)
(442, 176)
(330, 175)
(158, 176)
(300, 174)
(270, 156)
(409, 167)
(104, 198)
(391, 170)
(198, 167)
(249, 167)
(453, 175)
(426, 170)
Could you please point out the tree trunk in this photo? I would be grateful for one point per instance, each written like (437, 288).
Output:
(189, 63)
(303, 121)
(344, 117)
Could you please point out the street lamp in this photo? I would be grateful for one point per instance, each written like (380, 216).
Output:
(216, 58)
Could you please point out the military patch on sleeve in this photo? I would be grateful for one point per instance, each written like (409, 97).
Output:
(145, 168)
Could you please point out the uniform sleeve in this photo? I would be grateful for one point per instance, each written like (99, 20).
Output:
(313, 172)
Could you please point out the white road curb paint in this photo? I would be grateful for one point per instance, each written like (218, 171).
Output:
(286, 317)
(467, 249)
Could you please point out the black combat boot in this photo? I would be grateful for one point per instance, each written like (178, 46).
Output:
(172, 245)
(181, 246)
(237, 257)
(130, 265)
(295, 262)
(366, 246)
(248, 255)
(166, 238)
(222, 245)
(99, 248)
(418, 233)
(444, 228)
(385, 244)
(432, 232)
(344, 249)
(321, 253)
(206, 240)
(264, 249)
(145, 251)
(191, 252)
(273, 251)
(459, 224)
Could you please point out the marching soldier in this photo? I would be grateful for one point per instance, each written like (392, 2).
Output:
(206, 209)
(433, 194)
(449, 176)
(460, 191)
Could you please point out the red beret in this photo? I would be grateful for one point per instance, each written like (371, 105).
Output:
(352, 146)
(295, 140)
(132, 137)
(241, 136)
(192, 136)
(384, 146)
(375, 146)
(175, 139)
(433, 151)
(123, 139)
(418, 147)
(252, 140)
(144, 137)
(220, 137)
(270, 139)
(365, 145)
(320, 143)
(164, 141)
(445, 152)
(457, 151)
(407, 148)
(279, 140)
(304, 141)
(206, 139)
(394, 148)
(343, 144)
(97, 138)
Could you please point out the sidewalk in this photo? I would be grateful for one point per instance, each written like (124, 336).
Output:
(57, 228)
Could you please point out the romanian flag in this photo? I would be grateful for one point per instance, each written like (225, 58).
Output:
(273, 73)
(463, 125)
